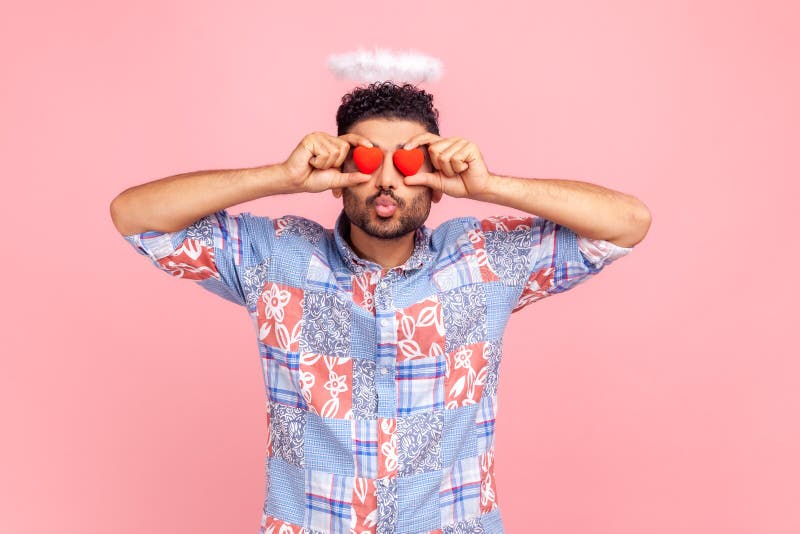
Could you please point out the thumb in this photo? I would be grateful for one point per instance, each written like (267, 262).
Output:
(424, 178)
(347, 179)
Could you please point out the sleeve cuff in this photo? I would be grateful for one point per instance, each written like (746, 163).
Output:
(599, 252)
(156, 245)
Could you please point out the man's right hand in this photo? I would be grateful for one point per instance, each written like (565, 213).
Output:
(315, 163)
(174, 202)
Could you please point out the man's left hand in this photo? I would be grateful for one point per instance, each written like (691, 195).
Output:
(460, 169)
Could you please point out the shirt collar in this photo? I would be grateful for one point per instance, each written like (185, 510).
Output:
(419, 257)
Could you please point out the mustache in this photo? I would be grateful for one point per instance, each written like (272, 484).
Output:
(388, 192)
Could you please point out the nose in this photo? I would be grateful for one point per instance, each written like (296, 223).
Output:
(387, 175)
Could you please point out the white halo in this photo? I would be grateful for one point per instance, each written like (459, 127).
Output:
(381, 64)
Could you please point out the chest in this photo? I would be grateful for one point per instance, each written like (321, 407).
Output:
(377, 343)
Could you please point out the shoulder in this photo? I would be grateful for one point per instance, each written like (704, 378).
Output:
(489, 249)
(479, 229)
(293, 226)
(280, 229)
(468, 250)
(281, 237)
(449, 231)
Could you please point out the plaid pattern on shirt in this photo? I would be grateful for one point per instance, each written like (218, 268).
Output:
(381, 384)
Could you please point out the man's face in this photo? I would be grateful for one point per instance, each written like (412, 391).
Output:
(385, 207)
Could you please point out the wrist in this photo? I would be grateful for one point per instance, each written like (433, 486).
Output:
(492, 193)
(276, 179)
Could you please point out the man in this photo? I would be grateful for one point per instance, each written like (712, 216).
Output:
(380, 339)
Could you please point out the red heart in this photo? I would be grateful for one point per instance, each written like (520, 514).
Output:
(408, 161)
(367, 159)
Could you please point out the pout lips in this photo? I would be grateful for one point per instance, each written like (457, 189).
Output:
(385, 206)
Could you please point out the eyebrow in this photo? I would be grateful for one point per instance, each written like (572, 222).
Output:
(399, 145)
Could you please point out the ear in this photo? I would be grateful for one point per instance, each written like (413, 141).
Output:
(437, 195)
(337, 192)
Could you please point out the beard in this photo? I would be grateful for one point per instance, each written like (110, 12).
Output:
(408, 217)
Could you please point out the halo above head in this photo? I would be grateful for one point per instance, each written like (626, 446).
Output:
(382, 64)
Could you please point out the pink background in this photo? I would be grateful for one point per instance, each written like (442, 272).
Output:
(660, 397)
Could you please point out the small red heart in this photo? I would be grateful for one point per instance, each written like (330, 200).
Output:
(367, 159)
(408, 161)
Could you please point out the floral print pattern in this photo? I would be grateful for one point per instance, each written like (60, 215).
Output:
(326, 384)
(386, 489)
(364, 290)
(503, 249)
(287, 429)
(326, 324)
(420, 330)
(364, 514)
(387, 448)
(466, 375)
(493, 352)
(298, 226)
(192, 260)
(344, 364)
(470, 526)
(254, 279)
(419, 438)
(488, 487)
(464, 311)
(280, 311)
(365, 396)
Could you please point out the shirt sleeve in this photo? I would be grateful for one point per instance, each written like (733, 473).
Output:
(544, 257)
(210, 252)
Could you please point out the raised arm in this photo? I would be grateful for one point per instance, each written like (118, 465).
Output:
(589, 210)
(172, 203)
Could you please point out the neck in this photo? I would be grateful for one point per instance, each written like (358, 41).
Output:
(387, 253)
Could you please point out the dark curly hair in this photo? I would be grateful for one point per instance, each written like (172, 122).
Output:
(387, 100)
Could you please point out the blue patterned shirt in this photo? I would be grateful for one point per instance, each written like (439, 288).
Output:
(381, 384)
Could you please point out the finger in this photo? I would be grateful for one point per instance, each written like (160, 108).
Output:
(447, 169)
(460, 160)
(429, 179)
(433, 156)
(441, 151)
(330, 154)
(347, 179)
(459, 165)
(435, 151)
(313, 143)
(317, 161)
(346, 148)
(339, 151)
(446, 157)
(342, 156)
(421, 139)
(355, 140)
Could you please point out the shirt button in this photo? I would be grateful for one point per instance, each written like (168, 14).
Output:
(384, 322)
(384, 371)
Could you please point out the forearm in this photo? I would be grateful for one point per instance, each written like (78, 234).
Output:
(588, 209)
(172, 203)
